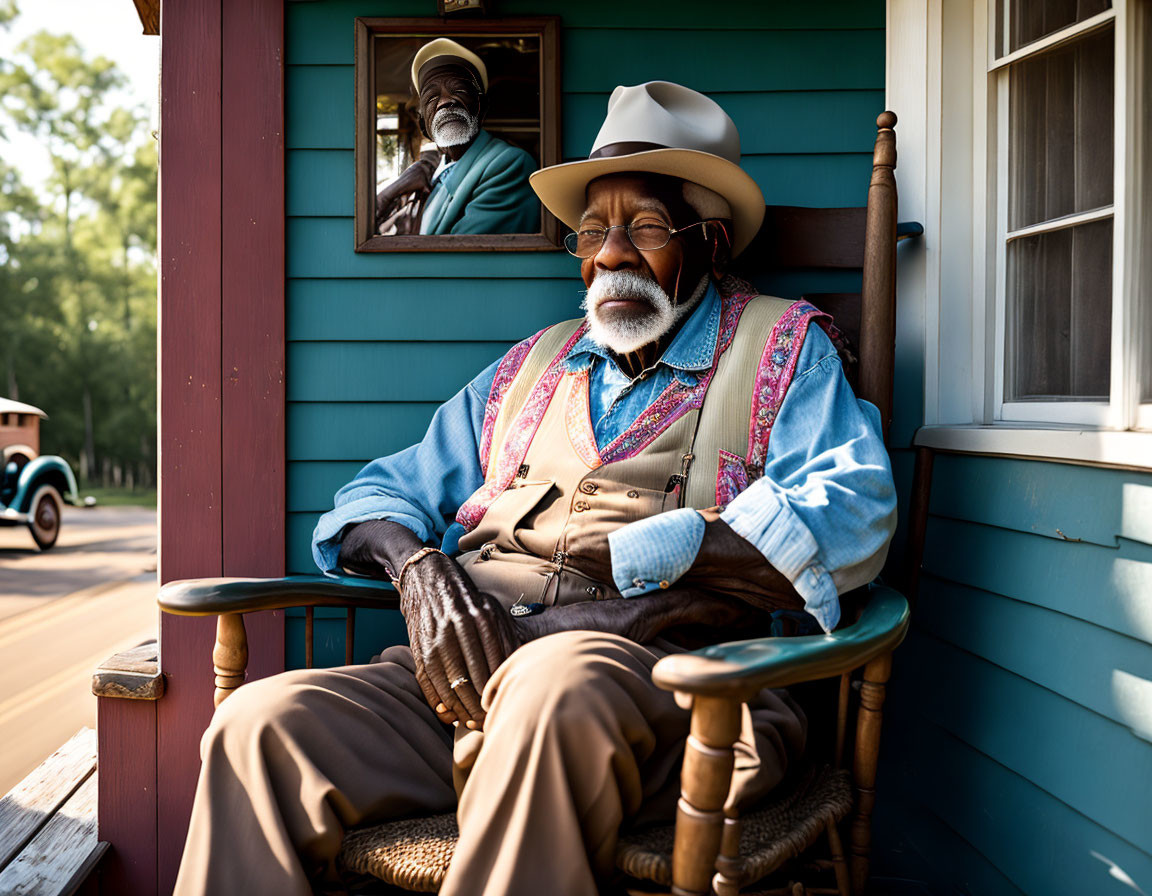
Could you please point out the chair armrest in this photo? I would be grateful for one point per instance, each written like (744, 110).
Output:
(741, 668)
(211, 597)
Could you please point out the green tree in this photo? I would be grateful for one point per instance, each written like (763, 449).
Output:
(79, 277)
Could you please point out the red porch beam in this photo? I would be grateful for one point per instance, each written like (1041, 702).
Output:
(221, 369)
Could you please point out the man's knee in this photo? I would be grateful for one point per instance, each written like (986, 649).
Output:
(575, 677)
(253, 708)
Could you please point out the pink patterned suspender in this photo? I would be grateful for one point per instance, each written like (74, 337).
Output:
(773, 376)
(509, 366)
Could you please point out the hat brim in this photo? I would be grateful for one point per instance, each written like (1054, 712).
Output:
(562, 188)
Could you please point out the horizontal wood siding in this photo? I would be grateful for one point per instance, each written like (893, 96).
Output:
(1021, 709)
(367, 365)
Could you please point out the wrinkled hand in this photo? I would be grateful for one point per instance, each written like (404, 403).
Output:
(456, 632)
(416, 178)
(729, 564)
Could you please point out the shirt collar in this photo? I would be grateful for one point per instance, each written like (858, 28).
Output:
(445, 171)
(691, 350)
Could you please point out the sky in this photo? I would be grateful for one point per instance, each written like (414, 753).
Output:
(103, 28)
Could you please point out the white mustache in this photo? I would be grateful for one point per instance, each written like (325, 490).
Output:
(625, 285)
(452, 126)
(626, 334)
(450, 113)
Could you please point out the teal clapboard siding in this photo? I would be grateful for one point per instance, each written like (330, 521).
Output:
(367, 363)
(1018, 741)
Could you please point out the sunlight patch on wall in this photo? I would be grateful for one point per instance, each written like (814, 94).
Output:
(1132, 696)
(1115, 871)
(1136, 512)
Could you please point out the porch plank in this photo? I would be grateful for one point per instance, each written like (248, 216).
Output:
(30, 805)
(62, 854)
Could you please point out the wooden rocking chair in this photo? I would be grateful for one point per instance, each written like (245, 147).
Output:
(706, 851)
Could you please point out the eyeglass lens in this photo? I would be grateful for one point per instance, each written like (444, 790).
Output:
(644, 235)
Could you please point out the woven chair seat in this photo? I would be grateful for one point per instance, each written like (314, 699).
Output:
(414, 853)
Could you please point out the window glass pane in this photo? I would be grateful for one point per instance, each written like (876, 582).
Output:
(1059, 315)
(1030, 20)
(1060, 137)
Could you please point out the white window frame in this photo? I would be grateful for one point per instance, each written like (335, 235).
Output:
(952, 282)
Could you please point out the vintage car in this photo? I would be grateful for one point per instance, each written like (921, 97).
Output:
(33, 487)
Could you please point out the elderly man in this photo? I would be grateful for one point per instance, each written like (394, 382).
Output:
(466, 180)
(685, 460)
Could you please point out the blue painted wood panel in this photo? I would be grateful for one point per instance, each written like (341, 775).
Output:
(1039, 844)
(991, 626)
(1020, 715)
(321, 33)
(1106, 586)
(312, 484)
(396, 309)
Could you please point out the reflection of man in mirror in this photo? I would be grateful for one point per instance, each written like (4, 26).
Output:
(466, 180)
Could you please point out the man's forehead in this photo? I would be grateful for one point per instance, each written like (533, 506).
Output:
(635, 192)
(450, 73)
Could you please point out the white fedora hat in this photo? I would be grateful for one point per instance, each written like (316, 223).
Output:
(443, 51)
(660, 128)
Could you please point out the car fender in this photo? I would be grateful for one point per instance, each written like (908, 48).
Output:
(44, 469)
(25, 450)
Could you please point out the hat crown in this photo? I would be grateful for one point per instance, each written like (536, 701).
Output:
(447, 49)
(668, 115)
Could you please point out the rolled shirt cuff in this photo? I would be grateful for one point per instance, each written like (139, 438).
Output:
(328, 535)
(790, 547)
(650, 554)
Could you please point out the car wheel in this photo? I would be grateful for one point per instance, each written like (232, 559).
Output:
(44, 518)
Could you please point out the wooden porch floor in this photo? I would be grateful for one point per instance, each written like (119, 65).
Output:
(48, 844)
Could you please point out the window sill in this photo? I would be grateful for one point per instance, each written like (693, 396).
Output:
(1092, 447)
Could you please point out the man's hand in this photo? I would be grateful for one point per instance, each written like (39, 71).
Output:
(730, 564)
(455, 631)
(416, 178)
(458, 636)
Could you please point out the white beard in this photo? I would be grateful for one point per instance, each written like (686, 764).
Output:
(454, 127)
(622, 334)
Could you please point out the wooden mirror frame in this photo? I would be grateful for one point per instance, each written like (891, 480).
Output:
(547, 30)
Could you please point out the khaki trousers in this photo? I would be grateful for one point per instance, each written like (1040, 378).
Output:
(577, 741)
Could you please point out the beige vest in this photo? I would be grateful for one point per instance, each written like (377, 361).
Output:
(539, 525)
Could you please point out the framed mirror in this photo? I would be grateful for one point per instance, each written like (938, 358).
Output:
(451, 118)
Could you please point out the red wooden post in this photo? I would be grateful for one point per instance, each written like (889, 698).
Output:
(222, 451)
(191, 525)
(126, 794)
(252, 312)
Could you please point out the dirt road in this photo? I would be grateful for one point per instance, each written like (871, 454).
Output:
(61, 613)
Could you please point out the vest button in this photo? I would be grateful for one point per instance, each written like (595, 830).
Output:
(632, 493)
(589, 488)
(581, 506)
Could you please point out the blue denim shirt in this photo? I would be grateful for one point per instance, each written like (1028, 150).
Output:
(822, 513)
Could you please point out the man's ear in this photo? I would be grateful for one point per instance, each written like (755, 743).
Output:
(718, 235)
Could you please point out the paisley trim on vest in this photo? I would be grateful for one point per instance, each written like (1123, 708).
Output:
(773, 377)
(578, 421)
(509, 366)
(520, 436)
(731, 477)
(679, 398)
(774, 374)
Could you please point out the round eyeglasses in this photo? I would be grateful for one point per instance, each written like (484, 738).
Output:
(645, 235)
